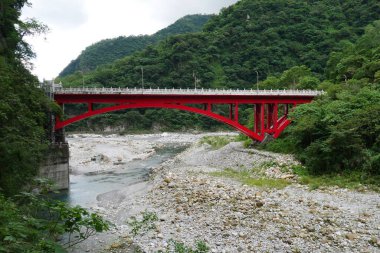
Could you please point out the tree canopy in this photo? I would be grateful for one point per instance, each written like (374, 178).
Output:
(251, 35)
(284, 44)
(109, 50)
(340, 131)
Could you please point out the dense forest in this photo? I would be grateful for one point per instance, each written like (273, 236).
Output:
(267, 36)
(340, 131)
(109, 50)
(29, 221)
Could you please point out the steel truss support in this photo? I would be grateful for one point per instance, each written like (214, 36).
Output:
(266, 118)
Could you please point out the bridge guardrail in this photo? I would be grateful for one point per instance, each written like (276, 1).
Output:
(173, 91)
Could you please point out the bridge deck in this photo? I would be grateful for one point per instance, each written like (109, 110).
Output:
(132, 91)
(270, 107)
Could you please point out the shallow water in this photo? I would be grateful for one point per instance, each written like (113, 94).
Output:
(85, 188)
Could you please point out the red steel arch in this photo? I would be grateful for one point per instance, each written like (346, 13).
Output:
(210, 114)
(266, 106)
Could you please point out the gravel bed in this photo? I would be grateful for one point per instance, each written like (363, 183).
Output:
(191, 205)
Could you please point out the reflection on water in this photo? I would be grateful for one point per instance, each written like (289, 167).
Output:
(85, 188)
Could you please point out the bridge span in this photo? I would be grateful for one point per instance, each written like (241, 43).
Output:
(270, 107)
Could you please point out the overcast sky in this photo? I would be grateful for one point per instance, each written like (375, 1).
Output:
(76, 24)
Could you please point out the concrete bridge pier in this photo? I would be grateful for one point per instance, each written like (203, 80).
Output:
(56, 163)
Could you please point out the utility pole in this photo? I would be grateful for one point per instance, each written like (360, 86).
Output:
(142, 77)
(195, 80)
(82, 79)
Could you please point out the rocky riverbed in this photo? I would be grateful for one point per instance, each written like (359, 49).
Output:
(189, 204)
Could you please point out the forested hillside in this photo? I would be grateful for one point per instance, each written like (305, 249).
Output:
(340, 132)
(267, 36)
(288, 41)
(109, 50)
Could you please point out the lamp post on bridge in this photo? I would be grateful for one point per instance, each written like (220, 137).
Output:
(196, 80)
(82, 79)
(142, 77)
(257, 80)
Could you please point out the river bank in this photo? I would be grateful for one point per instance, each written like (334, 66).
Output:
(192, 205)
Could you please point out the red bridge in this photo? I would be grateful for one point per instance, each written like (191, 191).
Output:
(270, 107)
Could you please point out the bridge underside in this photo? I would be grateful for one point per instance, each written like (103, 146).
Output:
(270, 113)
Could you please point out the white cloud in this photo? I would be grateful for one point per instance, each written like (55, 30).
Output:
(61, 14)
(170, 10)
(76, 24)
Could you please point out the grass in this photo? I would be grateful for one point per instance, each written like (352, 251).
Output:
(246, 178)
(350, 180)
(180, 247)
(357, 180)
(146, 223)
(217, 142)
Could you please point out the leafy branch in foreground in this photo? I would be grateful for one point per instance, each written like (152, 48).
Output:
(34, 221)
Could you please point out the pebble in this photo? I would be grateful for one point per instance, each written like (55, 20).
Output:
(351, 236)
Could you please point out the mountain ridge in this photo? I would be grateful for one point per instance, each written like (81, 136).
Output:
(108, 50)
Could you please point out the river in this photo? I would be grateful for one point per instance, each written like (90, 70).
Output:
(108, 164)
(108, 175)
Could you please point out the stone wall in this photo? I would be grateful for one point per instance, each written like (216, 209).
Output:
(56, 165)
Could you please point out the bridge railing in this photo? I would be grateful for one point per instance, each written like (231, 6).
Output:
(172, 91)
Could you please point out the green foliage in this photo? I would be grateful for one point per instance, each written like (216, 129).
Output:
(23, 107)
(146, 223)
(109, 50)
(57, 218)
(33, 222)
(142, 120)
(359, 61)
(265, 36)
(180, 247)
(241, 40)
(30, 222)
(18, 233)
(339, 133)
(298, 77)
(246, 177)
(347, 179)
(282, 145)
(217, 142)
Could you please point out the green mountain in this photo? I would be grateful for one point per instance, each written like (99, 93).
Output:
(338, 134)
(287, 41)
(109, 50)
(252, 35)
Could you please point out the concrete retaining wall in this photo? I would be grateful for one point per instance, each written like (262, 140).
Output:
(56, 165)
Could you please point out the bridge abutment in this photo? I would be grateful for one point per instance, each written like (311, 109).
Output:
(56, 165)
